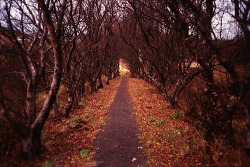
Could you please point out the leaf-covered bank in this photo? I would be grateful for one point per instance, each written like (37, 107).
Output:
(69, 141)
(168, 140)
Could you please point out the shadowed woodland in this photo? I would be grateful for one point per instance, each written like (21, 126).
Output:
(55, 55)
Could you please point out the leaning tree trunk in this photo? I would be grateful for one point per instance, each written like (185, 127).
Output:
(32, 141)
(179, 86)
(72, 91)
(69, 87)
(32, 144)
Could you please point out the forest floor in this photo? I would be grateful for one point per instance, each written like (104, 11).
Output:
(70, 141)
(105, 128)
(167, 139)
(103, 131)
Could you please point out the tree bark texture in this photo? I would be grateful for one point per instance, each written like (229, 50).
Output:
(32, 141)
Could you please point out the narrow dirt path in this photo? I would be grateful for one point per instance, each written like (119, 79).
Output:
(117, 144)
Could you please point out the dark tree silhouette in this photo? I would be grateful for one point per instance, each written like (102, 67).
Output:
(176, 47)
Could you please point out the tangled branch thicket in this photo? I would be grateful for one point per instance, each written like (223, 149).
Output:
(183, 47)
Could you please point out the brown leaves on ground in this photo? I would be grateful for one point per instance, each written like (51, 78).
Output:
(69, 142)
(167, 139)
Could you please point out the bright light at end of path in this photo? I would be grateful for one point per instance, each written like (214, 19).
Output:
(123, 67)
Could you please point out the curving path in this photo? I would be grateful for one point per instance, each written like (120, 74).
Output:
(118, 145)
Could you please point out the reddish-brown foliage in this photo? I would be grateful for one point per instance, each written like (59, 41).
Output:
(69, 142)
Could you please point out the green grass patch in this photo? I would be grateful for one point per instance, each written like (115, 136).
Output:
(61, 103)
(75, 119)
(48, 163)
(177, 114)
(44, 137)
(73, 123)
(165, 104)
(81, 104)
(83, 154)
(152, 119)
(140, 119)
(160, 122)
(93, 124)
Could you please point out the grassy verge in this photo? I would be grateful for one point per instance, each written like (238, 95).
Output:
(167, 139)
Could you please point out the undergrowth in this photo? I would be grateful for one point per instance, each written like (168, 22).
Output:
(70, 141)
(65, 141)
(169, 141)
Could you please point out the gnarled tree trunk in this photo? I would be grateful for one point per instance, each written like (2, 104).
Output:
(32, 141)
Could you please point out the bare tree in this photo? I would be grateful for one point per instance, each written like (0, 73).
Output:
(34, 33)
(176, 45)
(73, 68)
(86, 47)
